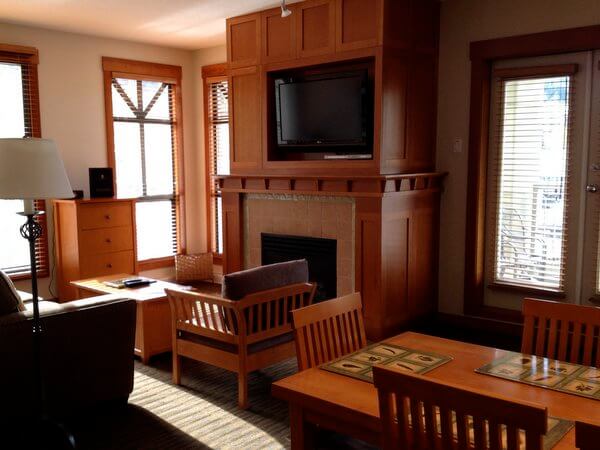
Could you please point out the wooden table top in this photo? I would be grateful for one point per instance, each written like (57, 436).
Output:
(345, 397)
(152, 292)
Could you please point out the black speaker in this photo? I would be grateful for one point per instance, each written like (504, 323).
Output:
(101, 183)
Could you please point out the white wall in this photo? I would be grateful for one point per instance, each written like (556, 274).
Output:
(72, 108)
(464, 21)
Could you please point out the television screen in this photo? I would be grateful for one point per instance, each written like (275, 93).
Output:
(324, 110)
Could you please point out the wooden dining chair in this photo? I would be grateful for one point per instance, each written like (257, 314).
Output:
(587, 436)
(420, 413)
(328, 330)
(562, 331)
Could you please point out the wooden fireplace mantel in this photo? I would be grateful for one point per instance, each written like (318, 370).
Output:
(395, 240)
(357, 186)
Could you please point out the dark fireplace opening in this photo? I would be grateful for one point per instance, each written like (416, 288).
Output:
(320, 253)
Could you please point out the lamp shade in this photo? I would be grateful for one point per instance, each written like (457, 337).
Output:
(32, 169)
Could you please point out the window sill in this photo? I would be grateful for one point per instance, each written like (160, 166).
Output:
(157, 263)
(27, 276)
(218, 258)
(527, 290)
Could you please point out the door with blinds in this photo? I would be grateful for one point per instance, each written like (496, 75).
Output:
(535, 205)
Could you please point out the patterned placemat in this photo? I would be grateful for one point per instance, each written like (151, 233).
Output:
(360, 364)
(547, 373)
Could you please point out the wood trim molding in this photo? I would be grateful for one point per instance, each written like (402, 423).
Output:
(537, 44)
(212, 73)
(375, 186)
(520, 72)
(142, 68)
(483, 54)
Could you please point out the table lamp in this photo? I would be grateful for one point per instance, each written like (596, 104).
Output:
(31, 169)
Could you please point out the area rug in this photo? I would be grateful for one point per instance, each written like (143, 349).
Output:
(201, 413)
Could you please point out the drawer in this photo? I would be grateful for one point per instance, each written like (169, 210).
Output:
(105, 240)
(107, 264)
(104, 215)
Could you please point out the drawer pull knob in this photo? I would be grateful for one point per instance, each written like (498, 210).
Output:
(109, 266)
(109, 241)
(107, 216)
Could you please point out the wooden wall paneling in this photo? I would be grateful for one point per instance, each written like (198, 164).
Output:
(394, 86)
(424, 25)
(315, 28)
(368, 248)
(396, 24)
(409, 261)
(232, 232)
(278, 35)
(243, 40)
(359, 24)
(421, 112)
(245, 98)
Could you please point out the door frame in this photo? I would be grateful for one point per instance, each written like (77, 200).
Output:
(482, 55)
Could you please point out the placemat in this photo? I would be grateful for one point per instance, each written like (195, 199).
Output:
(546, 373)
(360, 364)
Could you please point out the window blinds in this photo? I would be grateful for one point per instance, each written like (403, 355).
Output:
(218, 139)
(20, 117)
(530, 171)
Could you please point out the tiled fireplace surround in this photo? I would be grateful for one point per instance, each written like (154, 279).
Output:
(302, 215)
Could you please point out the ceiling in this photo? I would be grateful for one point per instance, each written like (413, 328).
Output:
(188, 24)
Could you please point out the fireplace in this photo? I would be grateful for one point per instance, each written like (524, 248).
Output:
(320, 253)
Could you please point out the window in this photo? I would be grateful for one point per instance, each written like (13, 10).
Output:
(19, 117)
(144, 147)
(530, 204)
(216, 105)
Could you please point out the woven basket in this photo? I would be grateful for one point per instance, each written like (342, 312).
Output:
(194, 267)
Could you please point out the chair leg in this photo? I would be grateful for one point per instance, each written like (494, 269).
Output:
(243, 390)
(176, 368)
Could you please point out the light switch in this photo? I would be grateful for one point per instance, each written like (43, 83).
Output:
(457, 145)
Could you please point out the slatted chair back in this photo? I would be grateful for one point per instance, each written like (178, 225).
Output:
(566, 332)
(328, 330)
(421, 413)
(587, 436)
(267, 313)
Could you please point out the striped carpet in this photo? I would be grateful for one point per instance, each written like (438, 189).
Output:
(201, 413)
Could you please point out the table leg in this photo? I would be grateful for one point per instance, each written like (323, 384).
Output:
(302, 434)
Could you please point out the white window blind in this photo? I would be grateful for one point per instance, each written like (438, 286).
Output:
(531, 169)
(144, 126)
(19, 117)
(218, 142)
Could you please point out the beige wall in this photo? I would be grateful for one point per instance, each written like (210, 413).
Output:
(464, 21)
(72, 108)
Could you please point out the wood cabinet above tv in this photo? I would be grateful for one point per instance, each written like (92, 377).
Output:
(398, 37)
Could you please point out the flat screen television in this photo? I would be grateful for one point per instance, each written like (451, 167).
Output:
(325, 110)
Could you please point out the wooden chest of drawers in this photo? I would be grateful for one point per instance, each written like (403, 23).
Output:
(93, 238)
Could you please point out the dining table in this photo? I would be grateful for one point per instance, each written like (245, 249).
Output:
(324, 399)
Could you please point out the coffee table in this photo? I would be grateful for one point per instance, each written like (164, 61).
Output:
(153, 320)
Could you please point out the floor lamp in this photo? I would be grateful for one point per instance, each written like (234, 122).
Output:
(31, 169)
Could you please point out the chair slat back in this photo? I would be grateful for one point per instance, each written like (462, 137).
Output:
(562, 331)
(267, 313)
(328, 330)
(421, 413)
(204, 315)
(587, 436)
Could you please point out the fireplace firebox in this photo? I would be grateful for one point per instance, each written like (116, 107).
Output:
(319, 252)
